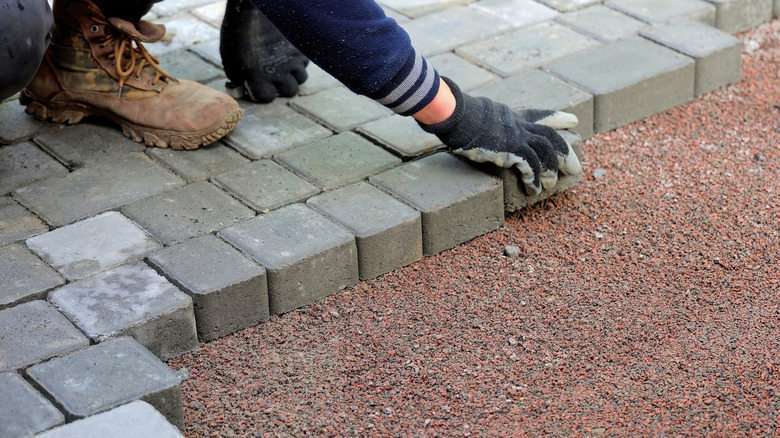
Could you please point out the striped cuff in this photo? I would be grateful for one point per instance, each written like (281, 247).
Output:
(413, 88)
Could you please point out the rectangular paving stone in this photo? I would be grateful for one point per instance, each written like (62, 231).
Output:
(186, 212)
(417, 8)
(33, 332)
(569, 5)
(93, 245)
(264, 185)
(25, 276)
(388, 233)
(457, 202)
(16, 223)
(518, 13)
(172, 7)
(718, 55)
(527, 49)
(540, 90)
(183, 64)
(23, 163)
(85, 144)
(340, 109)
(740, 15)
(131, 300)
(24, 411)
(211, 13)
(630, 80)
(201, 163)
(443, 31)
(660, 11)
(113, 373)
(16, 125)
(467, 75)
(318, 80)
(95, 189)
(229, 292)
(602, 23)
(133, 420)
(338, 160)
(306, 255)
(182, 31)
(401, 135)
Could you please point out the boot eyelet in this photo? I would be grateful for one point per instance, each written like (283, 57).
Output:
(137, 78)
(94, 28)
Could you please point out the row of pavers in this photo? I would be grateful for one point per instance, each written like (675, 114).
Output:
(101, 338)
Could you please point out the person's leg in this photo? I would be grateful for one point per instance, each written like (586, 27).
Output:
(25, 35)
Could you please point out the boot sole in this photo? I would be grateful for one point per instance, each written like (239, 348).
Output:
(72, 113)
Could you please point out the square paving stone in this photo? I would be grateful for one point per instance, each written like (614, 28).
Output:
(306, 255)
(182, 64)
(87, 144)
(468, 76)
(16, 223)
(23, 163)
(527, 49)
(193, 210)
(569, 5)
(630, 80)
(93, 245)
(131, 300)
(35, 331)
(388, 232)
(92, 190)
(602, 23)
(339, 160)
(718, 55)
(133, 420)
(229, 292)
(24, 411)
(518, 13)
(272, 129)
(107, 375)
(740, 15)
(201, 163)
(25, 276)
(443, 31)
(401, 135)
(540, 90)
(17, 125)
(265, 185)
(340, 109)
(660, 11)
(457, 201)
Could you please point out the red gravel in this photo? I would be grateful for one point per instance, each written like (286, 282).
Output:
(644, 303)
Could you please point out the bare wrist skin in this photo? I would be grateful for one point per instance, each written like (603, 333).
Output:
(440, 109)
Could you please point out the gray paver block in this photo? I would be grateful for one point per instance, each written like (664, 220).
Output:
(776, 13)
(110, 374)
(540, 90)
(457, 201)
(388, 232)
(201, 163)
(630, 80)
(338, 160)
(24, 411)
(93, 245)
(443, 31)
(401, 135)
(86, 144)
(718, 55)
(417, 8)
(131, 300)
(518, 13)
(527, 49)
(660, 11)
(211, 13)
(182, 64)
(739, 15)
(229, 292)
(271, 129)
(340, 109)
(306, 255)
(23, 163)
(183, 31)
(133, 420)
(318, 80)
(16, 125)
(35, 331)
(92, 190)
(569, 5)
(193, 210)
(602, 23)
(16, 223)
(24, 276)
(265, 185)
(468, 76)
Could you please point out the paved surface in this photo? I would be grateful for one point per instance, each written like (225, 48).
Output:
(136, 250)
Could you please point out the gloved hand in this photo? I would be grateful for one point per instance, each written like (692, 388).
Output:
(259, 61)
(486, 131)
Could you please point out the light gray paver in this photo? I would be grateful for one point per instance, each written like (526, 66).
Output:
(229, 292)
(527, 49)
(92, 190)
(110, 374)
(739, 15)
(317, 81)
(182, 64)
(182, 31)
(16, 125)
(193, 210)
(199, 164)
(211, 13)
(602, 23)
(443, 31)
(24, 276)
(417, 8)
(388, 232)
(457, 201)
(23, 163)
(340, 109)
(306, 255)
(660, 11)
(518, 13)
(93, 245)
(339, 160)
(16, 223)
(35, 331)
(718, 55)
(631, 79)
(23, 411)
(401, 135)
(133, 420)
(131, 300)
(468, 76)
(569, 5)
(85, 144)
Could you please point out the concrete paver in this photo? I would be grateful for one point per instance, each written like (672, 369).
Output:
(199, 164)
(16, 223)
(602, 23)
(340, 109)
(739, 15)
(23, 163)
(467, 75)
(569, 5)
(83, 145)
(23, 411)
(441, 32)
(661, 11)
(16, 125)
(135, 419)
(402, 136)
(24, 276)
(518, 13)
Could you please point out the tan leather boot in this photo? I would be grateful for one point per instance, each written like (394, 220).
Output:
(98, 66)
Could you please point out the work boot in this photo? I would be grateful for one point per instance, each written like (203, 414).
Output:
(98, 66)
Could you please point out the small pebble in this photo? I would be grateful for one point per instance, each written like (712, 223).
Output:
(512, 252)
(599, 173)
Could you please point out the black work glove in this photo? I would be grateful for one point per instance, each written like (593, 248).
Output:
(486, 131)
(259, 61)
